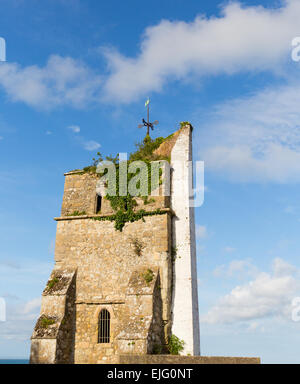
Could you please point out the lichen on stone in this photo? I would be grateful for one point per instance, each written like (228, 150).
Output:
(46, 327)
(56, 284)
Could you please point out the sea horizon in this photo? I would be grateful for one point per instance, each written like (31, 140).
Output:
(14, 361)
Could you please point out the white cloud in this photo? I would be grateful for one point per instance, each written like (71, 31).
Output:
(20, 319)
(32, 307)
(62, 81)
(20, 284)
(241, 39)
(256, 138)
(282, 268)
(88, 145)
(91, 145)
(253, 326)
(48, 133)
(290, 209)
(229, 249)
(269, 294)
(74, 128)
(201, 231)
(238, 268)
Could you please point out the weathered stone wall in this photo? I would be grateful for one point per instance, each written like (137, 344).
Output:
(105, 260)
(143, 327)
(79, 193)
(158, 332)
(134, 325)
(53, 335)
(81, 189)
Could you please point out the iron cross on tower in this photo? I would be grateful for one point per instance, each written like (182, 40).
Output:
(147, 123)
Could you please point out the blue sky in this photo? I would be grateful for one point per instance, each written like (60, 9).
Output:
(75, 81)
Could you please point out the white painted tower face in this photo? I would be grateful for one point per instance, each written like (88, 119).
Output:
(185, 294)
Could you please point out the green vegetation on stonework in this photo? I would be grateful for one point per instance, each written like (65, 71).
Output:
(146, 201)
(124, 205)
(174, 251)
(157, 349)
(137, 245)
(184, 123)
(123, 217)
(52, 282)
(148, 276)
(145, 152)
(77, 213)
(145, 149)
(175, 345)
(46, 321)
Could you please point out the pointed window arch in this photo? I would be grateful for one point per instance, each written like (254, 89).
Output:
(104, 327)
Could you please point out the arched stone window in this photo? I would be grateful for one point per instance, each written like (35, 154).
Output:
(104, 327)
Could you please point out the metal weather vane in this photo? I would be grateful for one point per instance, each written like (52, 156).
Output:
(147, 123)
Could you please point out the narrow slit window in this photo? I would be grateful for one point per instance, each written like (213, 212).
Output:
(98, 203)
(104, 327)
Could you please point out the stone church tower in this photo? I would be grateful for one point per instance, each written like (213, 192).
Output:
(122, 293)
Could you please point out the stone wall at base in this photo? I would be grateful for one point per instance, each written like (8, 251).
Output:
(172, 359)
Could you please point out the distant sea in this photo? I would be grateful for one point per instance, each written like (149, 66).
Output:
(14, 361)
